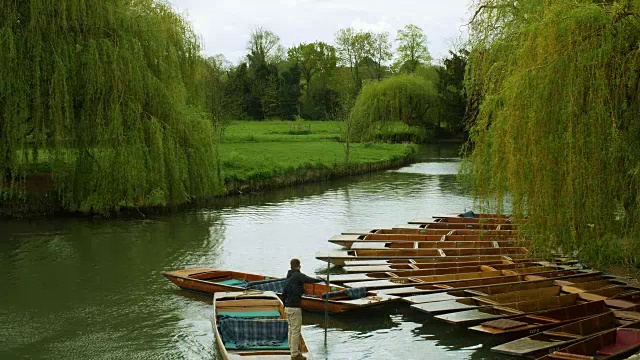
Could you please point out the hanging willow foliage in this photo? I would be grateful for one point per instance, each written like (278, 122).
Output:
(557, 133)
(406, 98)
(103, 94)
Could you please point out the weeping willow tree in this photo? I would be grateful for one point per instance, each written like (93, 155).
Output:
(557, 132)
(105, 95)
(409, 99)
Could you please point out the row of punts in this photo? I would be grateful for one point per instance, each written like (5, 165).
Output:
(477, 272)
(471, 270)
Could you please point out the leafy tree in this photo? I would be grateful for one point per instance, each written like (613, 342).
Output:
(263, 47)
(108, 96)
(264, 53)
(352, 47)
(289, 92)
(412, 50)
(452, 90)
(379, 53)
(556, 132)
(406, 98)
(313, 59)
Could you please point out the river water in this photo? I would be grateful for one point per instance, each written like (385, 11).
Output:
(92, 289)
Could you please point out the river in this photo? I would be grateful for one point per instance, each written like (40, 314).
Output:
(92, 289)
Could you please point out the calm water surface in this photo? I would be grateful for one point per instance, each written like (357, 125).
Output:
(92, 289)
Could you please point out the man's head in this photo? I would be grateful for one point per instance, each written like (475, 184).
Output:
(295, 264)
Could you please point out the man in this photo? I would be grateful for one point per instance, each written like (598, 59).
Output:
(292, 297)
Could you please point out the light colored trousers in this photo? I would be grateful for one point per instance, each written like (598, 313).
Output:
(294, 318)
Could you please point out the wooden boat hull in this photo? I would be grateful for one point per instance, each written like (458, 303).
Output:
(247, 300)
(590, 347)
(339, 279)
(435, 255)
(554, 339)
(541, 321)
(472, 317)
(447, 279)
(477, 302)
(476, 283)
(385, 266)
(417, 230)
(185, 280)
(478, 291)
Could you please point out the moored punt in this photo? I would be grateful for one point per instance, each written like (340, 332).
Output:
(339, 257)
(452, 226)
(470, 317)
(611, 344)
(472, 215)
(412, 228)
(556, 338)
(251, 325)
(411, 240)
(533, 323)
(459, 220)
(417, 230)
(384, 267)
(478, 291)
(210, 281)
(375, 244)
(445, 280)
(569, 285)
(424, 289)
(486, 301)
(339, 279)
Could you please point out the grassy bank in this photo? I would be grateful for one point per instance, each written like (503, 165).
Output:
(254, 156)
(258, 155)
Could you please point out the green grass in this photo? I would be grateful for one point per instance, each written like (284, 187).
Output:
(275, 130)
(265, 149)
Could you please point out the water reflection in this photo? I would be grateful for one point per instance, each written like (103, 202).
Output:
(77, 288)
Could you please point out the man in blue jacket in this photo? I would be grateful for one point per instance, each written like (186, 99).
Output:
(292, 297)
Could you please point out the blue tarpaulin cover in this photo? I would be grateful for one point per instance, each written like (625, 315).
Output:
(246, 333)
(354, 293)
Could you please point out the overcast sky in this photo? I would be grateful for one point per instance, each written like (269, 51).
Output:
(224, 25)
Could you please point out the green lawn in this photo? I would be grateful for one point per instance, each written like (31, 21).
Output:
(264, 149)
(275, 130)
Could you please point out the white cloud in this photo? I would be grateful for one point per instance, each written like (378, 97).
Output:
(224, 25)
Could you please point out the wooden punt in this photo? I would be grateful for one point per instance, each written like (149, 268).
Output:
(449, 261)
(339, 279)
(477, 302)
(567, 283)
(421, 231)
(554, 339)
(533, 323)
(617, 343)
(210, 281)
(374, 245)
(369, 268)
(425, 289)
(459, 220)
(339, 257)
(445, 280)
(414, 240)
(454, 226)
(473, 215)
(258, 313)
(478, 291)
(471, 317)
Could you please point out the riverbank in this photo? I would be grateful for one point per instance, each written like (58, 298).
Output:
(254, 157)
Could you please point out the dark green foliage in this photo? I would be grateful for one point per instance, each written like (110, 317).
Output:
(105, 93)
(452, 91)
(289, 92)
(557, 130)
